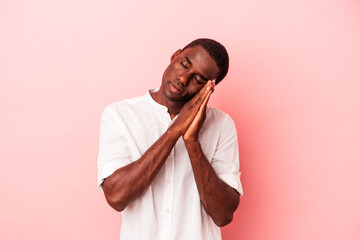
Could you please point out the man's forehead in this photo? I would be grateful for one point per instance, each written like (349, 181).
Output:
(198, 55)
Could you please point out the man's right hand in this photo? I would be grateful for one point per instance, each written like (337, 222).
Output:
(190, 109)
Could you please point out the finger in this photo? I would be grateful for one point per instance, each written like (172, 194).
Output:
(213, 85)
(200, 96)
(205, 94)
(204, 103)
(204, 88)
(201, 110)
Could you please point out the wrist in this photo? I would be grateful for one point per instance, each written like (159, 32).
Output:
(191, 141)
(175, 131)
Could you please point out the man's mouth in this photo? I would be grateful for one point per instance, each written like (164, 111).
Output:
(175, 89)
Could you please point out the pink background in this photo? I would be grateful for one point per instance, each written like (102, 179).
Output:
(293, 90)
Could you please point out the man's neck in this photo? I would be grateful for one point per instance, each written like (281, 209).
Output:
(173, 107)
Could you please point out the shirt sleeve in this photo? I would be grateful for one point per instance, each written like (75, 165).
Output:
(114, 151)
(226, 158)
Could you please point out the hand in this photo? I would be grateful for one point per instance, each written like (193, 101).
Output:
(192, 133)
(191, 108)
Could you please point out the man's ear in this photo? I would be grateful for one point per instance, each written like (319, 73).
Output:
(175, 54)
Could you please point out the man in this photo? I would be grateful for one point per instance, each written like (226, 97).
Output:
(166, 160)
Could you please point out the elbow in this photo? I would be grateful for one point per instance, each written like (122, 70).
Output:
(113, 197)
(223, 221)
(228, 215)
(115, 203)
(117, 206)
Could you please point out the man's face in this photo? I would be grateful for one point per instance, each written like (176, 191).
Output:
(187, 73)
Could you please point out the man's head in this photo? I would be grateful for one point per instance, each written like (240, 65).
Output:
(217, 52)
(191, 67)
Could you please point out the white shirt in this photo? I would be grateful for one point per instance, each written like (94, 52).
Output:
(170, 208)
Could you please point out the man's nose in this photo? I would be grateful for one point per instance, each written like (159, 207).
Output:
(184, 79)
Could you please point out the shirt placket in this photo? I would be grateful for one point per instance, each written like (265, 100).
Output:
(168, 195)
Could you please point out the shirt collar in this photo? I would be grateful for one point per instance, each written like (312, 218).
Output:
(153, 102)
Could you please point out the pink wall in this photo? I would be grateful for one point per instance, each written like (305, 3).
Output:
(293, 90)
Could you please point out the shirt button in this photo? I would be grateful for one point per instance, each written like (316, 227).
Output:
(168, 181)
(167, 210)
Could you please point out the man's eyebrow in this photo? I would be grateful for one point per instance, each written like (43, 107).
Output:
(188, 60)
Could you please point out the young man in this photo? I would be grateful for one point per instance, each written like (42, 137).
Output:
(166, 160)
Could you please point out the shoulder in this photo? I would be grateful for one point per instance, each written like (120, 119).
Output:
(217, 116)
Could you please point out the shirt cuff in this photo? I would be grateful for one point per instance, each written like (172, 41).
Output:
(233, 180)
(107, 170)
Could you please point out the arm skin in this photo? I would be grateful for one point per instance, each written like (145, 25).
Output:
(127, 183)
(219, 199)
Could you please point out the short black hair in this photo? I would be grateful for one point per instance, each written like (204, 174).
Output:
(217, 52)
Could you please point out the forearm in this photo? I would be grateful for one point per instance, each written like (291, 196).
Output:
(219, 199)
(127, 183)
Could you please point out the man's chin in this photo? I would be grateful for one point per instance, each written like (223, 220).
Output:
(176, 98)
